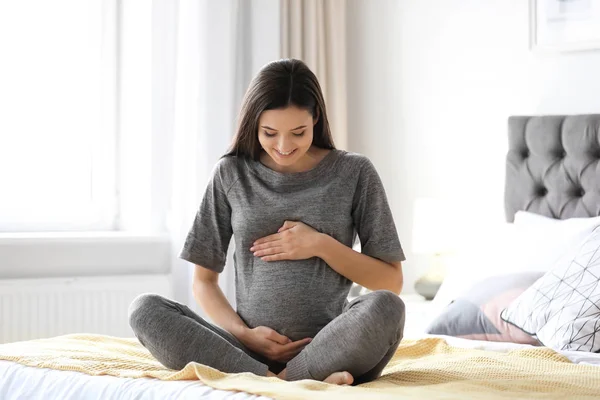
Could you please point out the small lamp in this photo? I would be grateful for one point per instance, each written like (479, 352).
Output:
(431, 236)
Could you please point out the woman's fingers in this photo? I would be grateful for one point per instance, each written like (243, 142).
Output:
(278, 338)
(267, 239)
(264, 245)
(298, 344)
(287, 225)
(275, 257)
(294, 348)
(269, 252)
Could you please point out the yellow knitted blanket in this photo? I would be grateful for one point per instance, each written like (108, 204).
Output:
(421, 369)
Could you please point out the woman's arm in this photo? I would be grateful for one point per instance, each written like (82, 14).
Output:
(367, 271)
(210, 297)
(298, 241)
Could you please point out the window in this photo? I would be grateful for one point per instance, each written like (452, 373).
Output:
(58, 102)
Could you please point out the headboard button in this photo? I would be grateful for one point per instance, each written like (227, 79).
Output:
(580, 192)
(525, 153)
(542, 191)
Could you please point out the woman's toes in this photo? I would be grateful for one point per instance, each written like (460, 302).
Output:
(348, 378)
(340, 378)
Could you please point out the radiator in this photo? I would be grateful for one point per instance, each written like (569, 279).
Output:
(40, 308)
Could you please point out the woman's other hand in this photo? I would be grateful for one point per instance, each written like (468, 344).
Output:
(293, 241)
(269, 343)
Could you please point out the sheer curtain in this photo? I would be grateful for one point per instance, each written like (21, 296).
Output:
(315, 32)
(220, 45)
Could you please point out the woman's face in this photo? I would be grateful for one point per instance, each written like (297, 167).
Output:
(286, 134)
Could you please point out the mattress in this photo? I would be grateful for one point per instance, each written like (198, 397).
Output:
(21, 382)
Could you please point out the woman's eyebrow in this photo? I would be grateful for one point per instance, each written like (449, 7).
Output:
(271, 129)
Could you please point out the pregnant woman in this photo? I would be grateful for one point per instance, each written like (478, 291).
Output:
(294, 205)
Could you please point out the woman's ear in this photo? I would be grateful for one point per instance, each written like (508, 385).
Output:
(316, 117)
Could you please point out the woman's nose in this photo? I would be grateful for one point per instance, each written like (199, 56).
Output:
(285, 145)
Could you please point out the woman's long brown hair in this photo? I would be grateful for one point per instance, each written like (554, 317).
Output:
(277, 85)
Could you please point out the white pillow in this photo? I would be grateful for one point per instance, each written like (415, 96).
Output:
(523, 218)
(529, 218)
(533, 243)
(543, 240)
(562, 309)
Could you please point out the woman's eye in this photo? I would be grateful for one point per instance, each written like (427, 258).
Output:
(267, 134)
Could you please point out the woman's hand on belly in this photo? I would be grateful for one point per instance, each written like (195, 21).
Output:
(293, 241)
(269, 343)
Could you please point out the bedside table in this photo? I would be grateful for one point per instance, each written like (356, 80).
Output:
(419, 313)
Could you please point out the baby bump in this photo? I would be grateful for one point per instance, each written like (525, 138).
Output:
(295, 298)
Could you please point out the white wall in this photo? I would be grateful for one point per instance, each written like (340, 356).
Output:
(435, 83)
(375, 115)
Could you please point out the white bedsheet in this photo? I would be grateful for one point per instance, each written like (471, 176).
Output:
(577, 357)
(21, 382)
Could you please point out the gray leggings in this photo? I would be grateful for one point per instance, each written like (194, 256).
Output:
(361, 340)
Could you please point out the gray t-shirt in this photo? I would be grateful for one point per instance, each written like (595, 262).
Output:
(342, 196)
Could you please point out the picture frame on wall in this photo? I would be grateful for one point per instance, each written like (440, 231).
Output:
(564, 25)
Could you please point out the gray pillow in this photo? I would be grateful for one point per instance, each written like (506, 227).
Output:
(476, 313)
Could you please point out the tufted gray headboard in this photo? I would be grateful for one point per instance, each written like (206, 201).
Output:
(553, 166)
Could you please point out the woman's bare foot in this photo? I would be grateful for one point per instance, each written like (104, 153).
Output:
(337, 378)
(340, 378)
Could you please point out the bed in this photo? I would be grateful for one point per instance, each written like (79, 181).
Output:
(24, 382)
(553, 169)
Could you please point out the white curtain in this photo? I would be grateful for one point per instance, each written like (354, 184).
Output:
(314, 31)
(219, 47)
(216, 57)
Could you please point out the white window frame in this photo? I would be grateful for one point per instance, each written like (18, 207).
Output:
(104, 194)
(136, 241)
